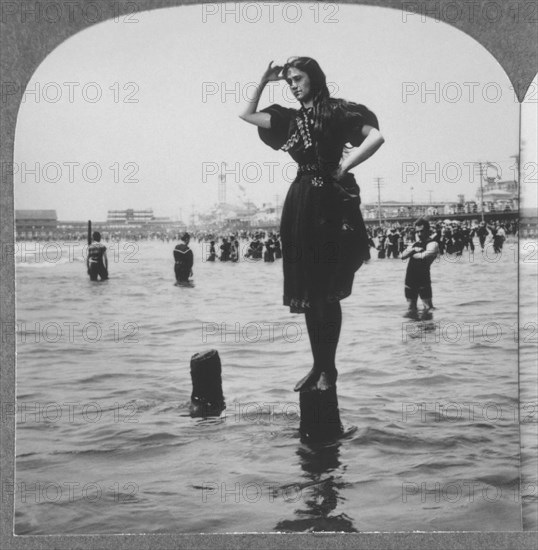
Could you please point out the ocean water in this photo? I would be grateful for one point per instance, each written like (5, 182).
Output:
(105, 442)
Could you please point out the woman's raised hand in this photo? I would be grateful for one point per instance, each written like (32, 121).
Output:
(272, 73)
(250, 114)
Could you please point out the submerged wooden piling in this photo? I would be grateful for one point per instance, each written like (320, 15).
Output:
(320, 417)
(207, 398)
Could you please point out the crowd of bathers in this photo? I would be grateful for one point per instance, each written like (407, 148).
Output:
(453, 237)
(231, 248)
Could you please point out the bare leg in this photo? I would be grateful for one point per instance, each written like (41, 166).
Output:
(427, 302)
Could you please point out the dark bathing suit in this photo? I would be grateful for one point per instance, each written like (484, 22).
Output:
(96, 265)
(184, 260)
(417, 277)
(324, 239)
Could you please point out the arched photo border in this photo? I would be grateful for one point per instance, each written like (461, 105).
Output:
(512, 38)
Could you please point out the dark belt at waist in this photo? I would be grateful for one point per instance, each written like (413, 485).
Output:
(303, 169)
(320, 176)
(313, 169)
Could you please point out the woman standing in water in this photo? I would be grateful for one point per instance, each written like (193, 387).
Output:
(324, 240)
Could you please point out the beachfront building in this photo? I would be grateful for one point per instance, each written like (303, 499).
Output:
(133, 221)
(44, 225)
(225, 216)
(30, 224)
(130, 216)
(266, 217)
(498, 196)
(399, 209)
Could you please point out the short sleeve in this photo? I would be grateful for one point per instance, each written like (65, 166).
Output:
(356, 117)
(277, 135)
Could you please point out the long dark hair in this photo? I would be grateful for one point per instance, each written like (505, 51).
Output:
(328, 111)
(318, 89)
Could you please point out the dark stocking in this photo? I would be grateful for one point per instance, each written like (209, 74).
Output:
(323, 322)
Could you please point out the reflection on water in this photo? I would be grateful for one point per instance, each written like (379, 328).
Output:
(321, 465)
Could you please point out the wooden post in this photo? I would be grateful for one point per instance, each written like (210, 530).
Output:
(207, 398)
(320, 417)
(89, 232)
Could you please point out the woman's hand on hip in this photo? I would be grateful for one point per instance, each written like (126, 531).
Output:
(340, 173)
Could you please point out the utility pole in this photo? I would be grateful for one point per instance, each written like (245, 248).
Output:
(378, 180)
(482, 191)
(517, 175)
(222, 184)
(481, 167)
(517, 167)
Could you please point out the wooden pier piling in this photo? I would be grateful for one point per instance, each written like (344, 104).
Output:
(207, 398)
(320, 417)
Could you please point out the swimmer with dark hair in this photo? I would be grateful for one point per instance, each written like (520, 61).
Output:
(97, 261)
(184, 260)
(421, 255)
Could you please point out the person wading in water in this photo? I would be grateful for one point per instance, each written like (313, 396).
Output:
(97, 262)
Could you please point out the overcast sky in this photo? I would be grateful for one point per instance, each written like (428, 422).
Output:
(163, 123)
